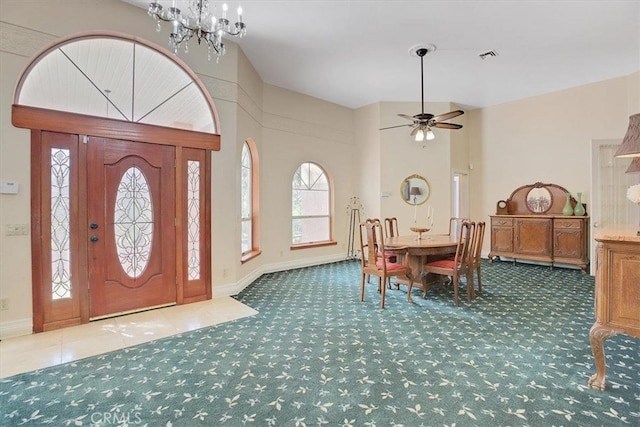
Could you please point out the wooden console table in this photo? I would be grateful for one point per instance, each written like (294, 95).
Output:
(617, 293)
(529, 225)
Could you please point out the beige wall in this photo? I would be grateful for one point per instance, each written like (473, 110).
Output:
(546, 138)
(298, 128)
(367, 179)
(401, 156)
(288, 128)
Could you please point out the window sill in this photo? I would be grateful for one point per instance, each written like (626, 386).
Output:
(313, 245)
(249, 256)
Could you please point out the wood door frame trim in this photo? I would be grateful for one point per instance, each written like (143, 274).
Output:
(36, 230)
(39, 120)
(80, 124)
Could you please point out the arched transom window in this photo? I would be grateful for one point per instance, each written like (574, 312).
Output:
(117, 78)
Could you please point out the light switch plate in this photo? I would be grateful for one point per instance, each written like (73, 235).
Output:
(9, 187)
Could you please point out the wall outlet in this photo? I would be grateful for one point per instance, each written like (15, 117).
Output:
(4, 304)
(16, 229)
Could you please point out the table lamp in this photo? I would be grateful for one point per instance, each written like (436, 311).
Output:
(415, 192)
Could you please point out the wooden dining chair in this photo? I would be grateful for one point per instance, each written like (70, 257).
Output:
(455, 224)
(391, 230)
(391, 227)
(476, 259)
(457, 266)
(373, 261)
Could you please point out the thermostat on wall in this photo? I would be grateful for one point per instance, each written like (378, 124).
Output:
(9, 187)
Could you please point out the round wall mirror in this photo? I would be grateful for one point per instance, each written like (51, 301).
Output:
(415, 190)
(539, 200)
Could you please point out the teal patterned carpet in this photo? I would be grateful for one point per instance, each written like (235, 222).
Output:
(517, 355)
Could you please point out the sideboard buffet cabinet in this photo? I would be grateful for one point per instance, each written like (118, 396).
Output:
(617, 292)
(530, 225)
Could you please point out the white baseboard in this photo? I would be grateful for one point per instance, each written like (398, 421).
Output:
(230, 289)
(16, 328)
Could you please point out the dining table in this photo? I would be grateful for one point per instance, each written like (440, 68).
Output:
(420, 250)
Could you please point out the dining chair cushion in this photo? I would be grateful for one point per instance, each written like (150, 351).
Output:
(442, 263)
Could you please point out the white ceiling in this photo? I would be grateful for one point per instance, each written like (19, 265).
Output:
(355, 53)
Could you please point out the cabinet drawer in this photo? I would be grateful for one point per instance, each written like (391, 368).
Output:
(508, 222)
(567, 223)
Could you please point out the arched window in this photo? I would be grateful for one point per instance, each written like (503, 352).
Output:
(117, 77)
(249, 201)
(310, 205)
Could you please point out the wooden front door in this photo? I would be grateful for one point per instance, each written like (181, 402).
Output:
(131, 226)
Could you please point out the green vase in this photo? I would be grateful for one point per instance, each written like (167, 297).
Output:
(579, 209)
(568, 209)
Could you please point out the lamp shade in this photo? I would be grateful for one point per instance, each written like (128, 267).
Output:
(634, 167)
(415, 191)
(630, 146)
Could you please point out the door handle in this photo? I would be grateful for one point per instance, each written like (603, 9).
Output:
(94, 238)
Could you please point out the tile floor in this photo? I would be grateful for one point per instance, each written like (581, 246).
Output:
(30, 352)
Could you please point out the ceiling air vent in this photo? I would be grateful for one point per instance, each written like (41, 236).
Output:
(488, 54)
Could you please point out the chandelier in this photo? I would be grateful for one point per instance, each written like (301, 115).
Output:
(197, 21)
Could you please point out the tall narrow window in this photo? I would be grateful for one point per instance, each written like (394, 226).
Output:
(60, 224)
(310, 205)
(249, 190)
(193, 219)
(246, 192)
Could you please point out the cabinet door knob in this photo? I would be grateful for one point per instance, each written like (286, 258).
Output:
(596, 225)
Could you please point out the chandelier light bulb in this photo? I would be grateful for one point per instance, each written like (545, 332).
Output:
(430, 135)
(420, 135)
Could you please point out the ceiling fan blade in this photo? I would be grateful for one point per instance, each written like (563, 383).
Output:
(447, 125)
(398, 126)
(449, 115)
(404, 116)
(414, 131)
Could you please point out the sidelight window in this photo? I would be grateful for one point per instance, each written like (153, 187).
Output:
(60, 223)
(193, 219)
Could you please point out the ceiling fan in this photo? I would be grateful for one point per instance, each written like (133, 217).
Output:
(423, 122)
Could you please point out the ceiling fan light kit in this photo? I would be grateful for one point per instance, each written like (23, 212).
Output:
(423, 122)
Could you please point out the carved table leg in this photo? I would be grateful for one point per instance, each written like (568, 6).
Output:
(597, 335)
